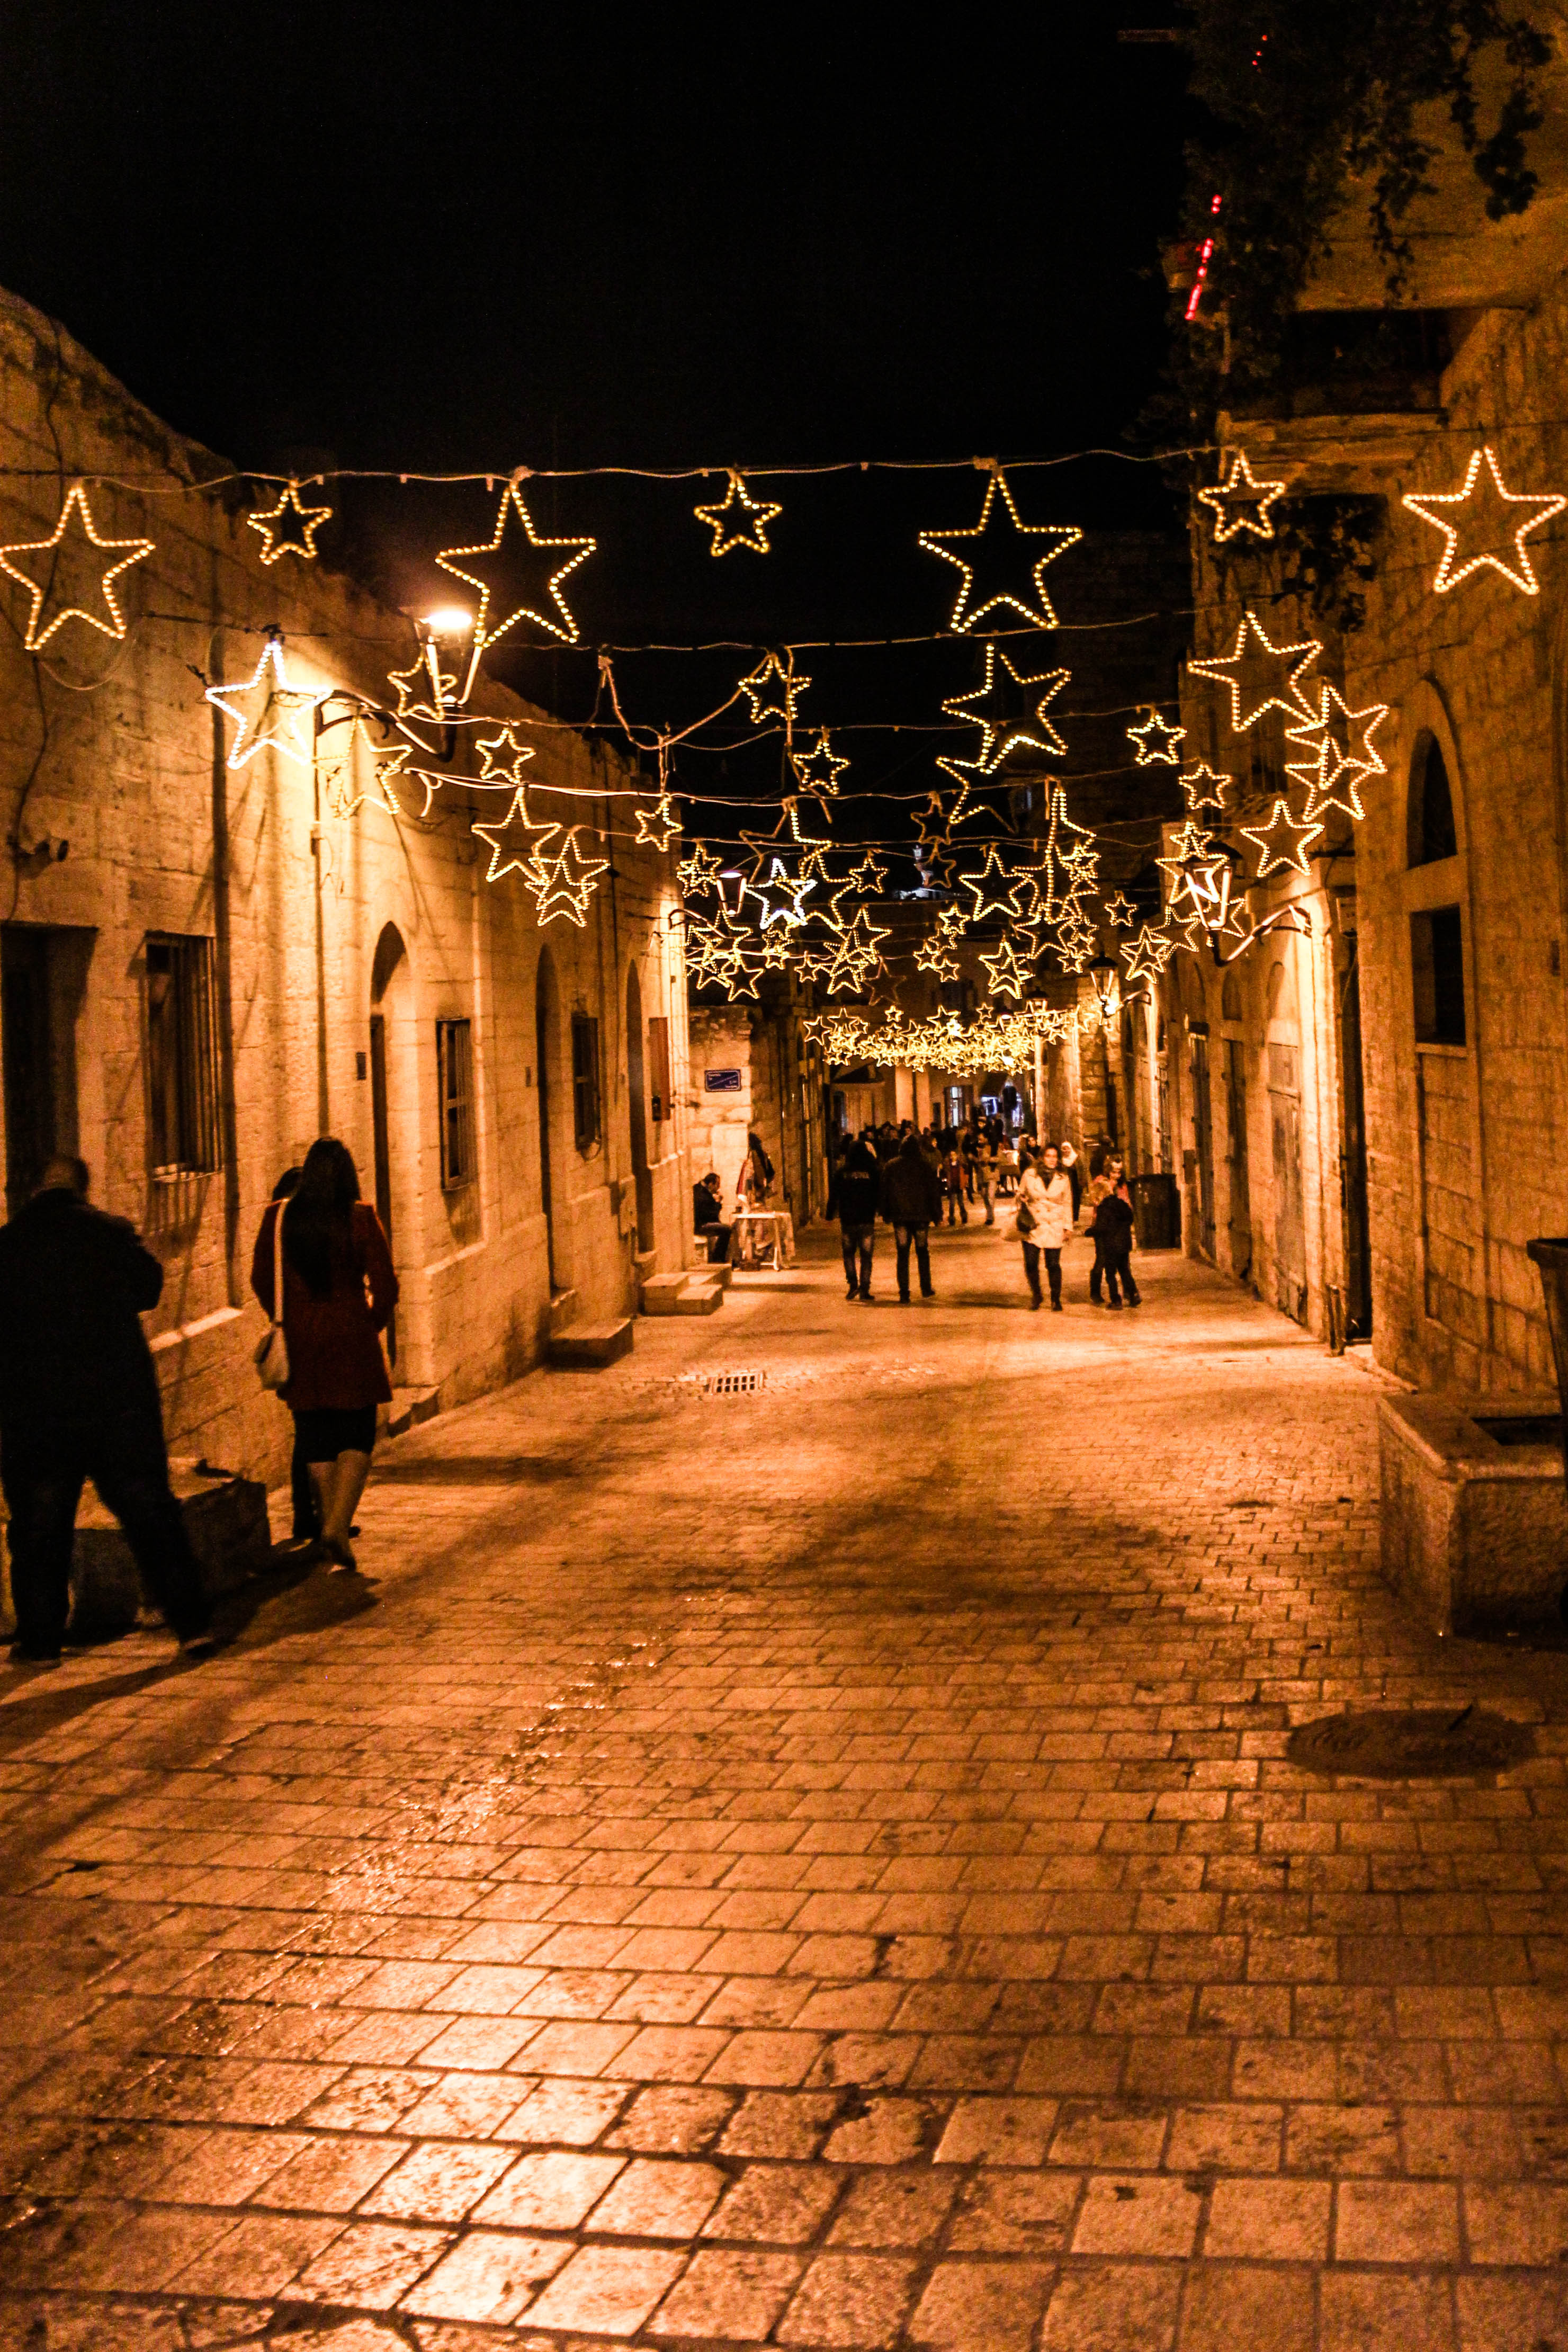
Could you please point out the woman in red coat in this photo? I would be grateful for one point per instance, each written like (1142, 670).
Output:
(338, 1291)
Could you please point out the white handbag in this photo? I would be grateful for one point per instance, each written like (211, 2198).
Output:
(272, 1348)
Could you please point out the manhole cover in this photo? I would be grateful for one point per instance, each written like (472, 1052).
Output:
(1412, 1743)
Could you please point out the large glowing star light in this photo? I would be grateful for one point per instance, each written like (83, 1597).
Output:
(1001, 560)
(516, 842)
(1156, 740)
(63, 551)
(267, 710)
(1241, 502)
(738, 520)
(290, 528)
(773, 688)
(509, 554)
(1479, 520)
(1260, 675)
(1009, 707)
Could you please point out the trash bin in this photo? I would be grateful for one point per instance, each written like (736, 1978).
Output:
(1156, 1206)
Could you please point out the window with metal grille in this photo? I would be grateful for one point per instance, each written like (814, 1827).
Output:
(584, 1080)
(184, 1135)
(455, 1075)
(1437, 970)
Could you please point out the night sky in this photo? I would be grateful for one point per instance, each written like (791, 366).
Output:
(445, 239)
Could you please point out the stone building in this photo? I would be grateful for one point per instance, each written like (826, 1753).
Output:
(211, 958)
(1370, 1105)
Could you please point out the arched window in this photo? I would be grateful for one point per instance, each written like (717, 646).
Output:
(1431, 806)
(1230, 998)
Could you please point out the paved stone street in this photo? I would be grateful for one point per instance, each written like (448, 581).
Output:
(810, 1863)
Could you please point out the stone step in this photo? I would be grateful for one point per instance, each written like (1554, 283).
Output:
(589, 1347)
(661, 1294)
(700, 1299)
(409, 1407)
(562, 1308)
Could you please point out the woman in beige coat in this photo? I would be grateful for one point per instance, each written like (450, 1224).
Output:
(1044, 1221)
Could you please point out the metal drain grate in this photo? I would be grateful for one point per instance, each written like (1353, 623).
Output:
(716, 1384)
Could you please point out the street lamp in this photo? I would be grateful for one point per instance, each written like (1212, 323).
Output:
(1107, 986)
(1204, 892)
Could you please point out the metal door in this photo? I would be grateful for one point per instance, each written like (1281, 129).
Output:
(1357, 1234)
(1236, 1159)
(1203, 1138)
(382, 1133)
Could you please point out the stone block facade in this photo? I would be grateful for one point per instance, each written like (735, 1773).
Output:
(327, 948)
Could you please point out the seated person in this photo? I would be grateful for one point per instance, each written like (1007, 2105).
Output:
(707, 1219)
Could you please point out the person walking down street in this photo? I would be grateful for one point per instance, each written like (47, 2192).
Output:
(1044, 1221)
(78, 1400)
(707, 1217)
(1072, 1169)
(912, 1203)
(333, 1250)
(981, 1169)
(1098, 1188)
(306, 1517)
(953, 1184)
(859, 1184)
(1113, 1229)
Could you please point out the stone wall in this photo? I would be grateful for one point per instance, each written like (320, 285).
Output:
(318, 921)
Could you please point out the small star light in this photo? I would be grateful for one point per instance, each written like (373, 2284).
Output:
(935, 956)
(699, 873)
(1202, 789)
(1261, 676)
(1340, 739)
(1283, 841)
(738, 520)
(1485, 518)
(773, 688)
(354, 768)
(503, 755)
(774, 953)
(870, 875)
(1156, 741)
(1119, 912)
(1009, 710)
(657, 826)
(565, 880)
(1148, 955)
(65, 550)
(779, 893)
(516, 843)
(1241, 502)
(1001, 565)
(985, 890)
(267, 710)
(290, 527)
(500, 557)
(820, 768)
(1008, 976)
(424, 691)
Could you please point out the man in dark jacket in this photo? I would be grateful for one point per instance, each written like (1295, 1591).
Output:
(1112, 1229)
(78, 1400)
(912, 1203)
(859, 1184)
(707, 1218)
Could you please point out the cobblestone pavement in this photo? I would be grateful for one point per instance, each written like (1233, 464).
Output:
(811, 1864)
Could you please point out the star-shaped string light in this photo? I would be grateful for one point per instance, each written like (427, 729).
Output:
(517, 842)
(775, 952)
(738, 520)
(566, 879)
(1001, 564)
(74, 540)
(1156, 740)
(503, 755)
(1202, 789)
(1481, 518)
(786, 839)
(779, 893)
(1119, 912)
(820, 769)
(1340, 740)
(490, 563)
(354, 768)
(1241, 502)
(1284, 840)
(1261, 676)
(267, 709)
(290, 528)
(870, 875)
(935, 956)
(1062, 838)
(698, 872)
(857, 957)
(1147, 953)
(773, 688)
(988, 897)
(1008, 976)
(1009, 708)
(657, 826)
(423, 692)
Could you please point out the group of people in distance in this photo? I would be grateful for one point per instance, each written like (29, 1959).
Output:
(903, 1175)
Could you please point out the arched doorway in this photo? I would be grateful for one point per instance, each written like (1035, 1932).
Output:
(637, 1107)
(389, 973)
(546, 1029)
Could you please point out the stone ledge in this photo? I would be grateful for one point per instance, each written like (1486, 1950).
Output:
(1474, 1528)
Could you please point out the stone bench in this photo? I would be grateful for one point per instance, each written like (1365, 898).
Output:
(1474, 1514)
(226, 1519)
